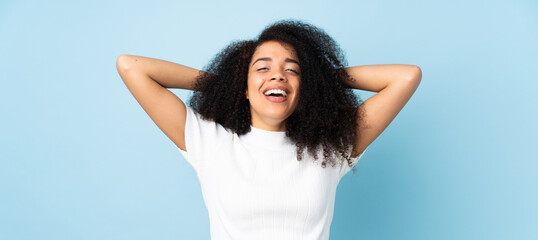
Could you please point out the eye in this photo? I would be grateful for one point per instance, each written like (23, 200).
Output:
(293, 70)
(259, 69)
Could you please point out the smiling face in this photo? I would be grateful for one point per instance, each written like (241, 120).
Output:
(273, 83)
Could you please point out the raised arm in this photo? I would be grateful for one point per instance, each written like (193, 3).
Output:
(394, 84)
(147, 80)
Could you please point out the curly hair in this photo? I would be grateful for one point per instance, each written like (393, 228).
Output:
(326, 115)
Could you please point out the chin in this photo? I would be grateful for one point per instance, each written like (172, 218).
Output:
(277, 113)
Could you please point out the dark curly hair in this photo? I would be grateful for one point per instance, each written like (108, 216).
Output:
(326, 114)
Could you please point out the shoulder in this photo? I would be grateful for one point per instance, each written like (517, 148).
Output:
(200, 126)
(345, 168)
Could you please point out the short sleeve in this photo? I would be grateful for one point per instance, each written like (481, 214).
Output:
(345, 167)
(202, 138)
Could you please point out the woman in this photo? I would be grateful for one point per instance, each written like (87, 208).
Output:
(255, 110)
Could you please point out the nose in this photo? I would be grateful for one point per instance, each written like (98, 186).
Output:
(278, 76)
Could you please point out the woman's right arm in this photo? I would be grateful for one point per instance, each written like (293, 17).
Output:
(148, 79)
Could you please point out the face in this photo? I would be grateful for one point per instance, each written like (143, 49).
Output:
(273, 85)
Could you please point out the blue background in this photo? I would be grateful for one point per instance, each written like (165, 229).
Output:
(80, 159)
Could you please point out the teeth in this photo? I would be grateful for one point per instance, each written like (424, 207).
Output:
(276, 91)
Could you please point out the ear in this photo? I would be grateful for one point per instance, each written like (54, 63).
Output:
(246, 93)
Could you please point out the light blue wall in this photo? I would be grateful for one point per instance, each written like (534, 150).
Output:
(80, 159)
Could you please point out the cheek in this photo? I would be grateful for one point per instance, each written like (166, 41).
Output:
(254, 83)
(297, 86)
(251, 88)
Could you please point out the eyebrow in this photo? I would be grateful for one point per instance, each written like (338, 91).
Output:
(269, 59)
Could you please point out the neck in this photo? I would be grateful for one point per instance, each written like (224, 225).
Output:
(269, 125)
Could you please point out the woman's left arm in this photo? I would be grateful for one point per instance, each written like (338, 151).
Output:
(394, 84)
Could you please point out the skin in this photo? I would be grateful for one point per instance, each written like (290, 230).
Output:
(273, 64)
(148, 79)
(394, 84)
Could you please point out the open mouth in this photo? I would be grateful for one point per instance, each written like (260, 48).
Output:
(276, 95)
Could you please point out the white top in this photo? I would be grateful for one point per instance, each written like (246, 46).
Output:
(254, 187)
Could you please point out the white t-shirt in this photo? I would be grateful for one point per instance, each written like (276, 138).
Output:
(254, 187)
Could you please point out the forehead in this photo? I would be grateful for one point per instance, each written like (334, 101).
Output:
(275, 48)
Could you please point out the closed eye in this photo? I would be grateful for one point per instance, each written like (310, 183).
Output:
(264, 68)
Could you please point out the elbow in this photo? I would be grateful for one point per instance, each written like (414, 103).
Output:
(415, 74)
(122, 63)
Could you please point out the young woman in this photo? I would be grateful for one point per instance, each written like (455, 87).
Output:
(264, 113)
